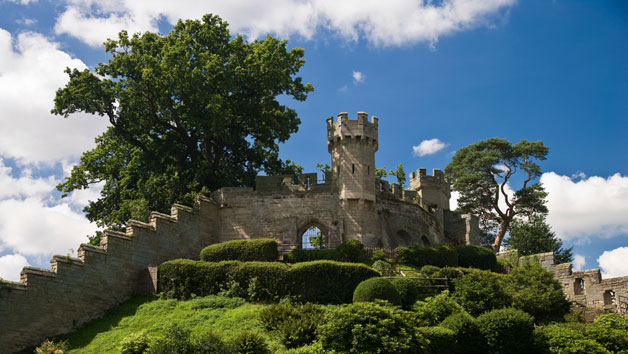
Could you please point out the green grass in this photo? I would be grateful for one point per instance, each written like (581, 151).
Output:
(226, 316)
(410, 271)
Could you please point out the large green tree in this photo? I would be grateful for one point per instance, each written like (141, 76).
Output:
(481, 173)
(192, 110)
(533, 235)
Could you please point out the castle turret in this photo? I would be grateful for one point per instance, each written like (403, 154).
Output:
(434, 191)
(352, 145)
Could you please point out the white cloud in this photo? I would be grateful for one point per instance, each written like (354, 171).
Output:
(613, 263)
(593, 206)
(23, 2)
(453, 200)
(26, 21)
(23, 186)
(358, 77)
(579, 261)
(30, 73)
(11, 265)
(389, 23)
(428, 147)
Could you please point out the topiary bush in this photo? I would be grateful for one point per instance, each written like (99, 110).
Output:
(439, 255)
(384, 268)
(259, 249)
(180, 278)
(433, 310)
(441, 340)
(557, 339)
(429, 270)
(249, 343)
(507, 331)
(469, 339)
(481, 291)
(537, 292)
(408, 290)
(367, 327)
(263, 281)
(376, 289)
(294, 325)
(327, 281)
(476, 257)
(300, 255)
(350, 251)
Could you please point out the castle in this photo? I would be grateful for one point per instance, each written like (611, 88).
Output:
(351, 203)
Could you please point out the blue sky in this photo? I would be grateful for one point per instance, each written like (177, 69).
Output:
(458, 71)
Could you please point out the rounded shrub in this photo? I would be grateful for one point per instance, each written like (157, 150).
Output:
(433, 310)
(507, 331)
(558, 339)
(441, 340)
(180, 278)
(439, 255)
(249, 343)
(469, 339)
(481, 291)
(429, 270)
(367, 327)
(476, 257)
(408, 290)
(384, 268)
(350, 251)
(260, 249)
(376, 289)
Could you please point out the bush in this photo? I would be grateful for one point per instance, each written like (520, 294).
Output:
(537, 292)
(560, 340)
(249, 343)
(50, 347)
(367, 327)
(136, 343)
(469, 339)
(215, 302)
(294, 325)
(384, 268)
(175, 340)
(613, 320)
(209, 343)
(327, 281)
(314, 348)
(610, 332)
(376, 288)
(180, 278)
(350, 251)
(379, 255)
(481, 291)
(263, 281)
(429, 270)
(476, 257)
(441, 340)
(260, 249)
(408, 290)
(440, 255)
(507, 331)
(434, 310)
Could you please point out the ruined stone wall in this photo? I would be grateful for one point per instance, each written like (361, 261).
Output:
(49, 302)
(405, 224)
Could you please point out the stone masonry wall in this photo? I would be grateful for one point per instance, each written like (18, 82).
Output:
(49, 302)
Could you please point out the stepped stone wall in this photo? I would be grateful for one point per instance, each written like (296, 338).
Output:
(74, 291)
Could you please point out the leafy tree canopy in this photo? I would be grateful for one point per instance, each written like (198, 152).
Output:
(190, 111)
(534, 236)
(400, 174)
(481, 171)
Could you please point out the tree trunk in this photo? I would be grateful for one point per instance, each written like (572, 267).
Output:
(503, 227)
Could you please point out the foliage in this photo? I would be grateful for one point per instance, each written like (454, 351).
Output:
(408, 290)
(429, 270)
(555, 339)
(50, 347)
(400, 174)
(348, 251)
(384, 268)
(481, 171)
(376, 289)
(209, 342)
(381, 172)
(611, 331)
(259, 249)
(507, 331)
(534, 236)
(294, 325)
(249, 342)
(469, 339)
(367, 327)
(379, 255)
(433, 310)
(175, 340)
(180, 278)
(537, 292)
(136, 343)
(418, 256)
(441, 340)
(476, 257)
(481, 291)
(190, 111)
(613, 320)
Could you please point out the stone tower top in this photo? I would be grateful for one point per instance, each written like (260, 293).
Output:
(344, 128)
(434, 190)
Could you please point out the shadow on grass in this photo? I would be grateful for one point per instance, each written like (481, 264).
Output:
(82, 337)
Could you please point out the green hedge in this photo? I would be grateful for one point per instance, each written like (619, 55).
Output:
(348, 251)
(507, 331)
(439, 255)
(260, 249)
(318, 281)
(476, 257)
(376, 289)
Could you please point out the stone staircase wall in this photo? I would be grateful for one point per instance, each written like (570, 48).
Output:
(74, 291)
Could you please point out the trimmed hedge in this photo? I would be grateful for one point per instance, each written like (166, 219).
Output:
(439, 255)
(476, 257)
(259, 249)
(507, 331)
(348, 251)
(319, 281)
(441, 340)
(408, 290)
(376, 289)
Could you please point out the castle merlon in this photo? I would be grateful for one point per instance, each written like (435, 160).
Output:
(348, 129)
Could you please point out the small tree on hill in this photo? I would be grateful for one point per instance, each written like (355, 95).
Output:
(480, 173)
(400, 174)
(534, 236)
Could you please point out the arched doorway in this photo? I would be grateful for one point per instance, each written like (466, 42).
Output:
(403, 238)
(425, 241)
(313, 238)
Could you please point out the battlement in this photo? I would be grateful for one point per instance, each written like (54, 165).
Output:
(433, 190)
(345, 129)
(286, 183)
(421, 174)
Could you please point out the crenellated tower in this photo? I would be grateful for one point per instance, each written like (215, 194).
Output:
(352, 145)
(434, 191)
